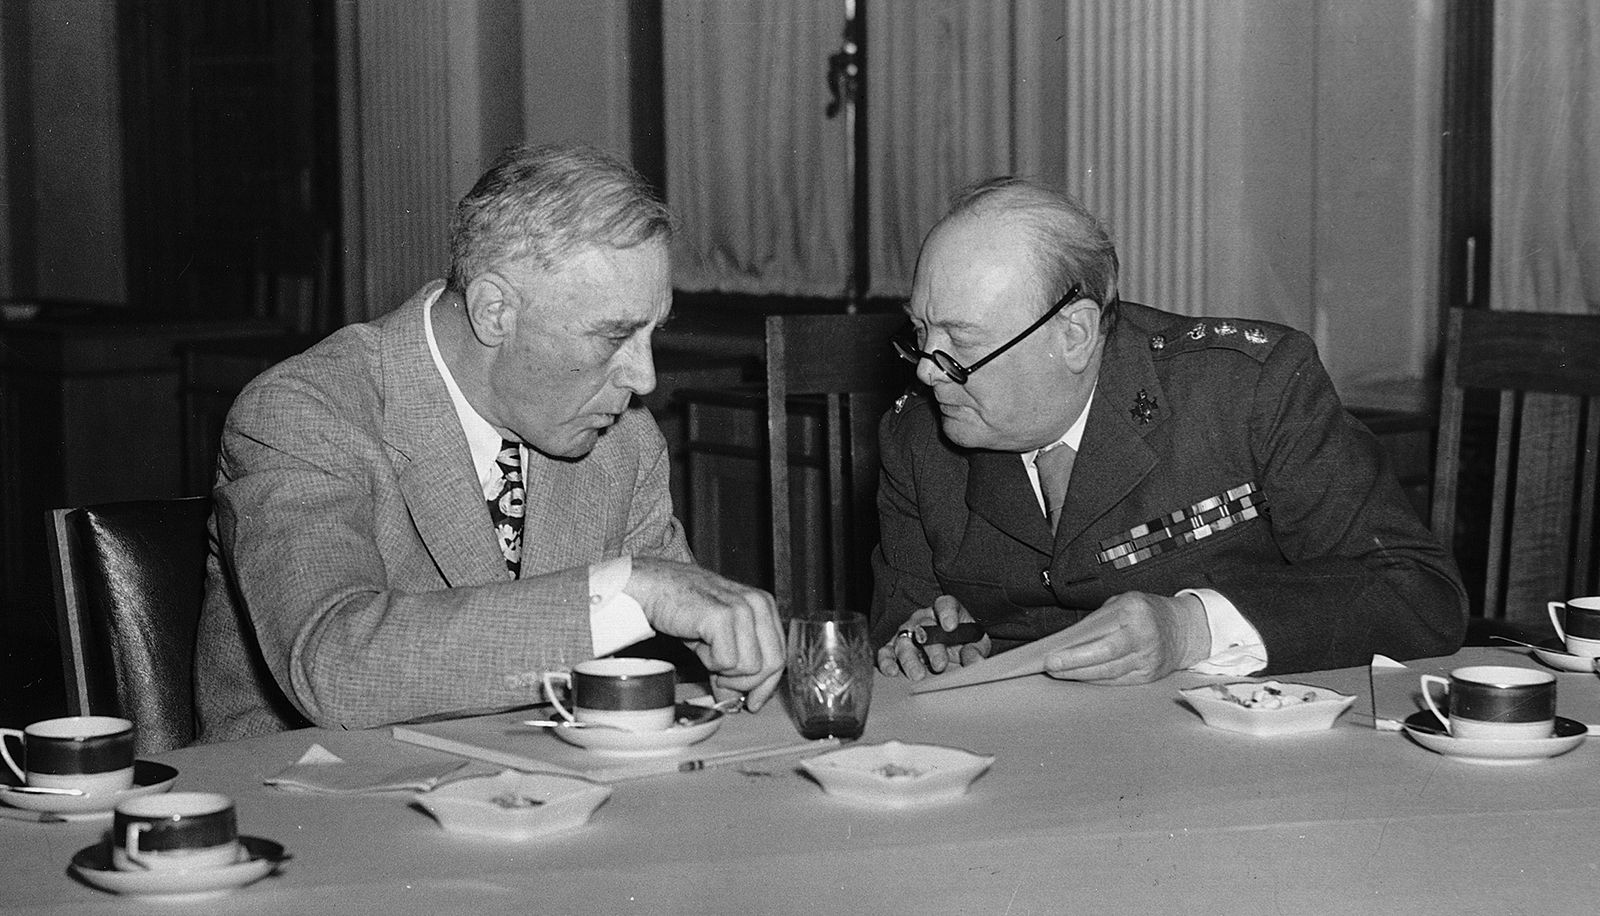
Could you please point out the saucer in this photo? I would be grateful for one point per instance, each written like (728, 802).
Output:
(695, 723)
(1553, 652)
(512, 805)
(93, 864)
(1267, 708)
(149, 778)
(896, 775)
(1424, 728)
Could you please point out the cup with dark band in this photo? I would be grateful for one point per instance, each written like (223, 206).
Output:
(1495, 702)
(90, 754)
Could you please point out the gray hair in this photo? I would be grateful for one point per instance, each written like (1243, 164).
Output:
(1071, 245)
(547, 203)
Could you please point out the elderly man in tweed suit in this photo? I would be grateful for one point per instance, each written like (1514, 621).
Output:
(424, 513)
(1166, 492)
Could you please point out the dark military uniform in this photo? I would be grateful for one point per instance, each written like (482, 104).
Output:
(1216, 455)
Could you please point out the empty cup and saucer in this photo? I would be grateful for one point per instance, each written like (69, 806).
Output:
(1577, 626)
(182, 844)
(627, 706)
(78, 767)
(1494, 714)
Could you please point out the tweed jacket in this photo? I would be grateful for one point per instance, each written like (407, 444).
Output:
(354, 578)
(1216, 455)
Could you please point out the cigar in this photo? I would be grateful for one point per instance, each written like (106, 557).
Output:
(933, 635)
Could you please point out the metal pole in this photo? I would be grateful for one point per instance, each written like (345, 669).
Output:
(847, 82)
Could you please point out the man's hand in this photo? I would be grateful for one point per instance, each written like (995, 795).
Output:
(1134, 638)
(902, 654)
(733, 628)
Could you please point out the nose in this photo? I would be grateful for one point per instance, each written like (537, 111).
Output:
(929, 373)
(637, 369)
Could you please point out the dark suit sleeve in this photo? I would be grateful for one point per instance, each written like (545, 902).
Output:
(1363, 575)
(902, 565)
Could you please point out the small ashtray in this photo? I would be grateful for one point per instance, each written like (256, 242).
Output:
(1267, 707)
(897, 775)
(513, 805)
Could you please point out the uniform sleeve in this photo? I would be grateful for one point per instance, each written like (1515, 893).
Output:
(902, 565)
(1363, 574)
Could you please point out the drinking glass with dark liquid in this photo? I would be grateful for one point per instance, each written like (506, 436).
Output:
(829, 673)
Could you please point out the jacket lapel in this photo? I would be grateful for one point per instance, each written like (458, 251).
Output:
(1115, 455)
(434, 464)
(999, 491)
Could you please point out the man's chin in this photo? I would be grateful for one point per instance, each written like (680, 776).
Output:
(575, 446)
(963, 433)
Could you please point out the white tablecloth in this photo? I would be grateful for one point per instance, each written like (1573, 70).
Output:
(1102, 799)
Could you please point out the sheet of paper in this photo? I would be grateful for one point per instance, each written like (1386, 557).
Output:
(1019, 662)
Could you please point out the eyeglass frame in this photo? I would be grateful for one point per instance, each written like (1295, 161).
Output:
(958, 373)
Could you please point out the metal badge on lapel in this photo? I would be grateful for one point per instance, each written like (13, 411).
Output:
(1184, 526)
(1144, 407)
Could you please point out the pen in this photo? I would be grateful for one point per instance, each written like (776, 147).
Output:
(756, 753)
(643, 771)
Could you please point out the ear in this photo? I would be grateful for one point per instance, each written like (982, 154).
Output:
(1080, 330)
(491, 309)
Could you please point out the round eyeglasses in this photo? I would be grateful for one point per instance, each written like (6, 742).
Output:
(958, 373)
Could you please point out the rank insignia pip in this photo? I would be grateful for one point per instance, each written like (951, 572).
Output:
(1225, 330)
(1158, 341)
(1144, 407)
(1255, 336)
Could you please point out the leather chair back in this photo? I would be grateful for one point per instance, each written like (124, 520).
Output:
(130, 578)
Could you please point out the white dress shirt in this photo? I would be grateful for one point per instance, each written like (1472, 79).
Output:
(615, 618)
(1242, 652)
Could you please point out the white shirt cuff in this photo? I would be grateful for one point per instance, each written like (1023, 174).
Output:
(615, 619)
(1236, 646)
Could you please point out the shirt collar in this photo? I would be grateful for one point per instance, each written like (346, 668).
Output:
(1073, 437)
(482, 438)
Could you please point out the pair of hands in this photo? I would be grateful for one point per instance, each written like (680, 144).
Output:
(733, 628)
(1133, 638)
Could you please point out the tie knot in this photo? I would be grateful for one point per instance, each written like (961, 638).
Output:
(510, 454)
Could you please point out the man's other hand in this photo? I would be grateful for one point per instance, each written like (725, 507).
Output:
(1134, 638)
(733, 628)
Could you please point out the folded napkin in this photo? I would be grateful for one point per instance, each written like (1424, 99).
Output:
(321, 770)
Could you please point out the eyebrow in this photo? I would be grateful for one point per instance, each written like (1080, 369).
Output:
(956, 324)
(618, 326)
(946, 324)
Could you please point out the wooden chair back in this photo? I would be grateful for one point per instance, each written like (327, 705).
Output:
(847, 361)
(1534, 378)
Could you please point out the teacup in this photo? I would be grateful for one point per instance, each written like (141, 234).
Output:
(1579, 626)
(175, 830)
(92, 754)
(1496, 702)
(633, 694)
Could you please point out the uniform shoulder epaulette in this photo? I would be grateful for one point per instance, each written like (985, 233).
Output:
(907, 398)
(1255, 338)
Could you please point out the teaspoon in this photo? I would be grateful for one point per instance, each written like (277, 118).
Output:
(40, 790)
(1529, 645)
(569, 723)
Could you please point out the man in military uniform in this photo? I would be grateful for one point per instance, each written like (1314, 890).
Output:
(1178, 492)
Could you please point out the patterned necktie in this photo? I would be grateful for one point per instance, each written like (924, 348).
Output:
(1055, 469)
(505, 506)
